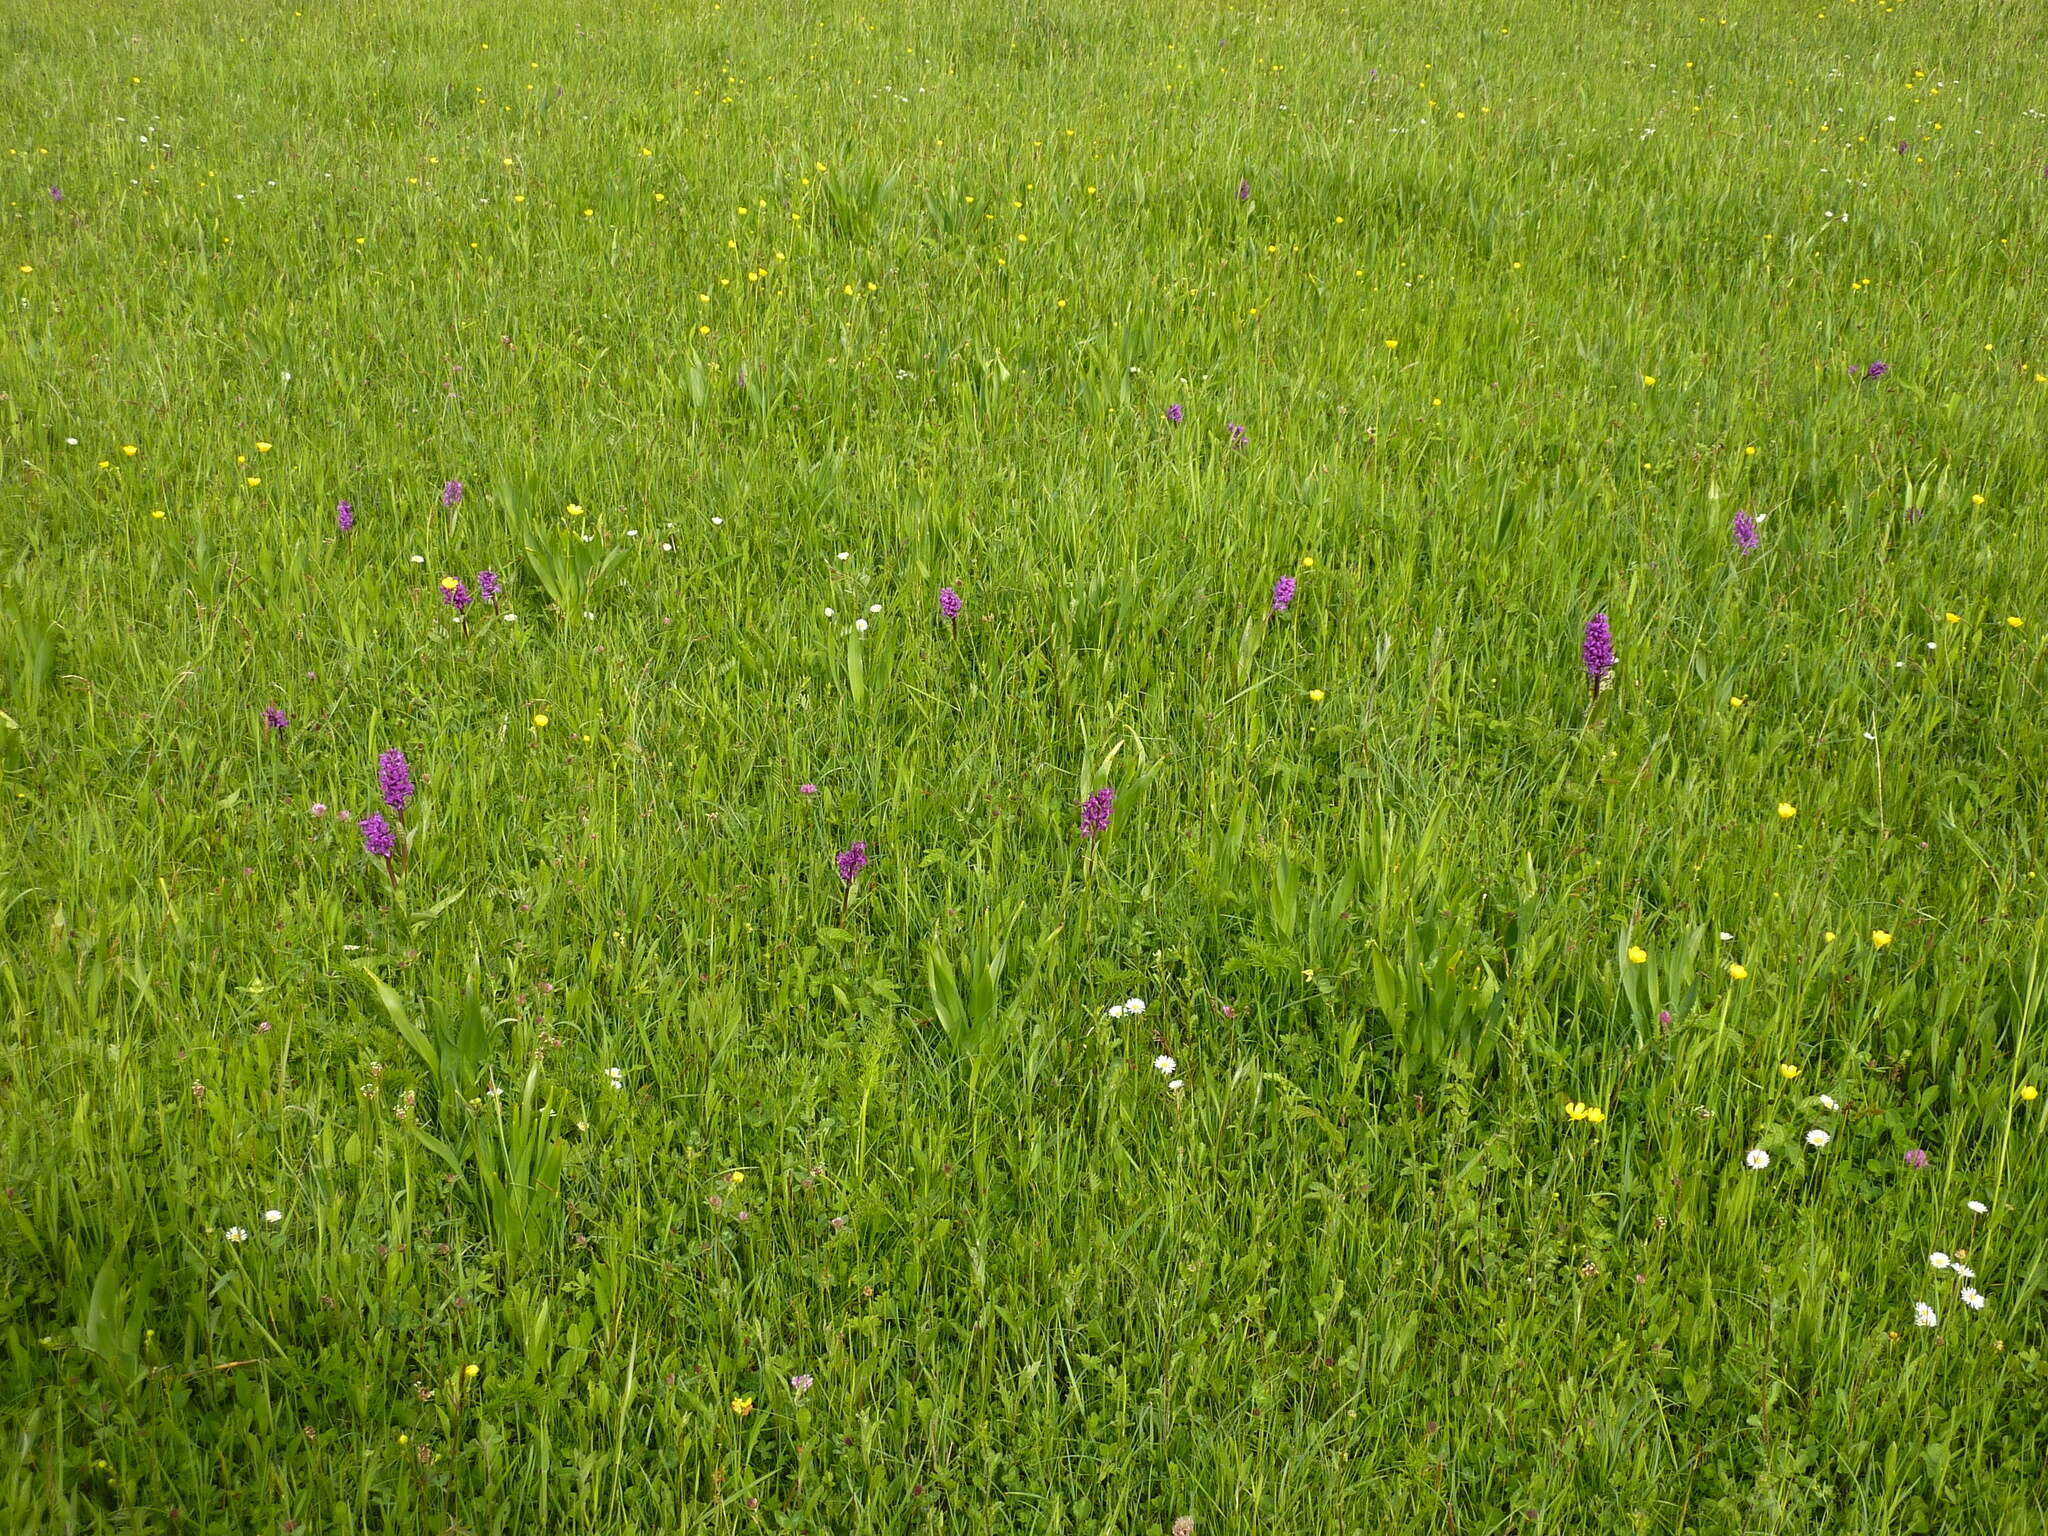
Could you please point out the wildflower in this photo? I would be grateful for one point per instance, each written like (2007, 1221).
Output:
(1788, 1071)
(1818, 1137)
(394, 779)
(1827, 1102)
(1637, 955)
(1916, 1158)
(456, 597)
(807, 789)
(469, 1372)
(1746, 537)
(1283, 594)
(1924, 1315)
(1939, 1260)
(1116, 1010)
(743, 1406)
(274, 718)
(319, 808)
(451, 494)
(1595, 1115)
(1134, 1006)
(487, 586)
(273, 1217)
(344, 516)
(1875, 371)
(1971, 1298)
(378, 840)
(1879, 938)
(1978, 1206)
(800, 1384)
(1164, 1065)
(1787, 810)
(237, 1234)
(1095, 812)
(1315, 695)
(1598, 650)
(615, 1077)
(852, 861)
(56, 194)
(1308, 562)
(1757, 1157)
(1738, 972)
(1244, 190)
(949, 605)
(2029, 1093)
(1735, 701)
(2016, 622)
(1238, 436)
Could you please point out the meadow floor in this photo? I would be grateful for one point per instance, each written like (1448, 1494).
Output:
(1026, 767)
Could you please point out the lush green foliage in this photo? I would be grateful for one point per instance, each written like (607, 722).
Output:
(735, 320)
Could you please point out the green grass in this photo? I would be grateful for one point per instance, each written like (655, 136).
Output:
(754, 285)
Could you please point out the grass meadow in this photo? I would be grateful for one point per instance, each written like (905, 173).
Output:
(1455, 1081)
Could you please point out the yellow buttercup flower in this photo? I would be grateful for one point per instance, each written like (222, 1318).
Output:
(1953, 618)
(1738, 972)
(1787, 1071)
(1879, 938)
(449, 583)
(1315, 695)
(2016, 622)
(574, 510)
(743, 1406)
(1735, 701)
(540, 722)
(263, 447)
(1595, 1115)
(1637, 954)
(469, 1371)
(1787, 810)
(2029, 1092)
(129, 449)
(1828, 937)
(254, 482)
(1308, 562)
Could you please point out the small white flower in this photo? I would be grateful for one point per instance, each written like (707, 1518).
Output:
(615, 1076)
(718, 522)
(1974, 1300)
(1939, 1259)
(874, 607)
(72, 441)
(1176, 1085)
(588, 614)
(830, 614)
(273, 1217)
(419, 559)
(1827, 1102)
(286, 376)
(1164, 1065)
(861, 625)
(509, 618)
(237, 1235)
(1757, 1157)
(1962, 1271)
(668, 548)
(1116, 1010)
(1817, 1137)
(1135, 1005)
(1978, 1206)
(632, 533)
(1924, 1315)
(844, 555)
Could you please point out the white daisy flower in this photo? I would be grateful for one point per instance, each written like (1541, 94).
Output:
(1923, 1315)
(1757, 1157)
(237, 1235)
(861, 625)
(1939, 1259)
(1978, 1206)
(1827, 1102)
(1817, 1137)
(1135, 1005)
(1974, 1300)
(1164, 1065)
(1176, 1085)
(273, 1217)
